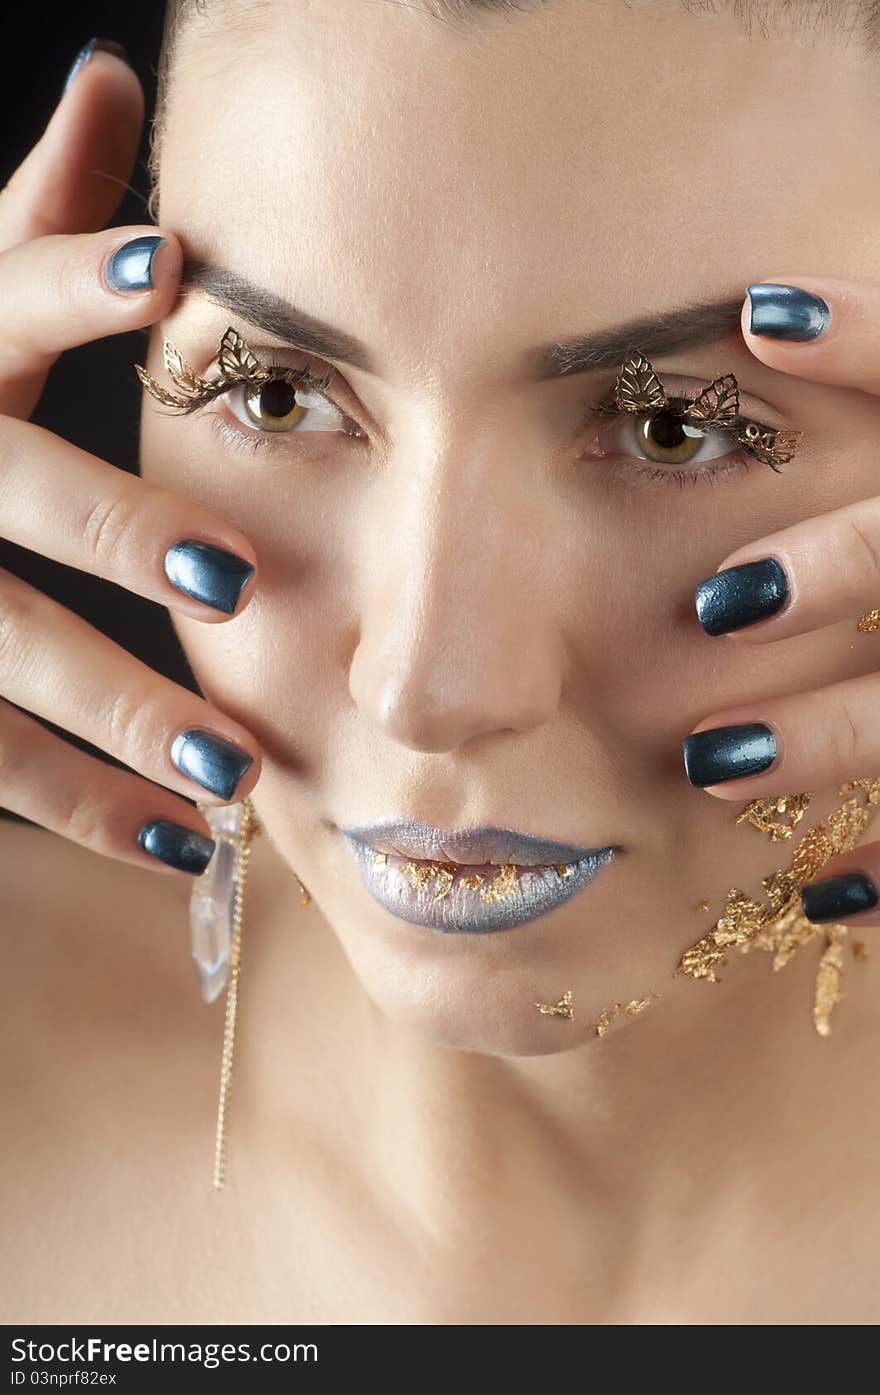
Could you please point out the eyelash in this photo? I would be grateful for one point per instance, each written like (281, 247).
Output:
(738, 462)
(304, 376)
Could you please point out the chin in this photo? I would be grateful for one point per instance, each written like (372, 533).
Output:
(480, 992)
(468, 1006)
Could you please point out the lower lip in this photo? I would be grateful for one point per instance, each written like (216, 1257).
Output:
(455, 901)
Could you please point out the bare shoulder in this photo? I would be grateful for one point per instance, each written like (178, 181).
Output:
(98, 994)
(69, 912)
(110, 1061)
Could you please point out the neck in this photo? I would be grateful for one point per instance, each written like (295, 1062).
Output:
(714, 1092)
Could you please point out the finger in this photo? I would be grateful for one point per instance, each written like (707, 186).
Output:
(62, 788)
(74, 178)
(799, 742)
(57, 666)
(64, 503)
(818, 571)
(848, 889)
(816, 327)
(63, 290)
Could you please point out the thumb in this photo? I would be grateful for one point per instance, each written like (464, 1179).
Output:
(74, 178)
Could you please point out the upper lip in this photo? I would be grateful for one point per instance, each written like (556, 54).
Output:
(487, 843)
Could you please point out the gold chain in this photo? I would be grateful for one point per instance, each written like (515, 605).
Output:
(249, 826)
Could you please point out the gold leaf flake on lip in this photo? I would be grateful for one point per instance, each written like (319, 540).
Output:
(472, 883)
(503, 885)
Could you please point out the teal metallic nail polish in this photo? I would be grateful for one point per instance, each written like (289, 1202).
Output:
(214, 763)
(179, 846)
(207, 573)
(786, 312)
(131, 266)
(738, 596)
(85, 53)
(832, 898)
(727, 753)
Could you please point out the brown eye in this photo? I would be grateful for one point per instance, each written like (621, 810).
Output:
(667, 439)
(273, 405)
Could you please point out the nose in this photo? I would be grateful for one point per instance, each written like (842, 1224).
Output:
(459, 634)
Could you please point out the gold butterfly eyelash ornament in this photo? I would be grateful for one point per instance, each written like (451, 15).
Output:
(237, 365)
(639, 389)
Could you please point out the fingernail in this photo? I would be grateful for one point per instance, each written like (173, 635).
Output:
(786, 312)
(834, 897)
(179, 846)
(85, 53)
(214, 763)
(209, 574)
(131, 266)
(739, 596)
(726, 753)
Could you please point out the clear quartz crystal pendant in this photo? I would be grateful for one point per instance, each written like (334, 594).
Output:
(212, 901)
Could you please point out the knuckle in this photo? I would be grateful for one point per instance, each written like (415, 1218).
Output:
(849, 751)
(82, 817)
(10, 757)
(68, 281)
(17, 624)
(867, 546)
(107, 528)
(126, 719)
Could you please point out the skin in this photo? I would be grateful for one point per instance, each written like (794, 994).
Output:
(411, 1141)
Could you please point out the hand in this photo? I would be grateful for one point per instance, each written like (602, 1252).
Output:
(820, 571)
(60, 286)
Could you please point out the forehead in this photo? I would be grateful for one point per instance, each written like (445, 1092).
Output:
(423, 184)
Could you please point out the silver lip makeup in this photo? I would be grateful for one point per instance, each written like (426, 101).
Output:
(497, 893)
(411, 838)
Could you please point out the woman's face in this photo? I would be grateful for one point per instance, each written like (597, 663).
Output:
(465, 614)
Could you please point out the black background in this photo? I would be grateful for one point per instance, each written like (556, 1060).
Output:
(38, 47)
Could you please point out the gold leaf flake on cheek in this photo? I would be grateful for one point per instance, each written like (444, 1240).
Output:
(564, 1008)
(869, 622)
(860, 950)
(631, 1009)
(780, 927)
(871, 788)
(740, 919)
(767, 814)
(828, 979)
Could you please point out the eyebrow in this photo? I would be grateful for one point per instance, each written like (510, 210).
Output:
(683, 327)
